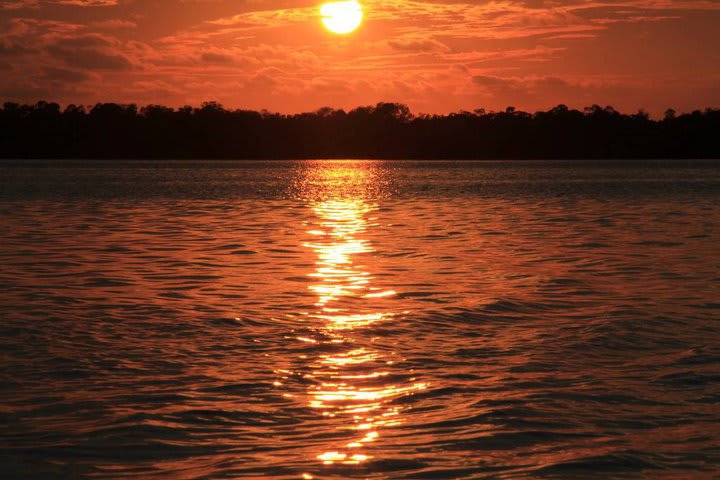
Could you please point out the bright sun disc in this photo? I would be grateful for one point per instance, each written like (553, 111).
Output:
(341, 17)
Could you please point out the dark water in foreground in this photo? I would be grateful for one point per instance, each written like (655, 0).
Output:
(332, 320)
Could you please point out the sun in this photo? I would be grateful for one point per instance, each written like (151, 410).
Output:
(341, 17)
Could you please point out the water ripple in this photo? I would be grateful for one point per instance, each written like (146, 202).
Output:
(325, 320)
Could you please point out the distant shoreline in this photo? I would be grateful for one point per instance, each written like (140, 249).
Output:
(559, 161)
(387, 131)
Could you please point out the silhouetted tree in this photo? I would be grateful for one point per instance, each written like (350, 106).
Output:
(385, 130)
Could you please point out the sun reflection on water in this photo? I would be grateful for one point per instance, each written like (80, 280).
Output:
(354, 385)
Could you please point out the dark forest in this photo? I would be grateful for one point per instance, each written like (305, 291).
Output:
(386, 130)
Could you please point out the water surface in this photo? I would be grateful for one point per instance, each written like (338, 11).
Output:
(360, 319)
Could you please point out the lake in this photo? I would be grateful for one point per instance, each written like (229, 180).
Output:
(359, 319)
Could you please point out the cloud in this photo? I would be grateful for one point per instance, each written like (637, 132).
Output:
(436, 54)
(519, 85)
(216, 58)
(90, 51)
(113, 24)
(91, 58)
(87, 3)
(35, 4)
(66, 75)
(418, 45)
(90, 40)
(10, 48)
(18, 4)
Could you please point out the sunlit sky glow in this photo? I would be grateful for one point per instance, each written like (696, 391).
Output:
(435, 56)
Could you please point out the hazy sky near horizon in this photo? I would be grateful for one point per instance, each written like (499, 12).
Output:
(436, 55)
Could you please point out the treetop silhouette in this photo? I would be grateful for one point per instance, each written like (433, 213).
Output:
(386, 130)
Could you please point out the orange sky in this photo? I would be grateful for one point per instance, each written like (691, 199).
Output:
(436, 56)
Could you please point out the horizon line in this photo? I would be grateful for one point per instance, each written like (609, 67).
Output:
(477, 110)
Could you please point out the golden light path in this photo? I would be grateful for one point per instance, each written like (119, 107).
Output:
(352, 384)
(341, 17)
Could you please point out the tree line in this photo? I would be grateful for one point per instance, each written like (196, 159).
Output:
(386, 130)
